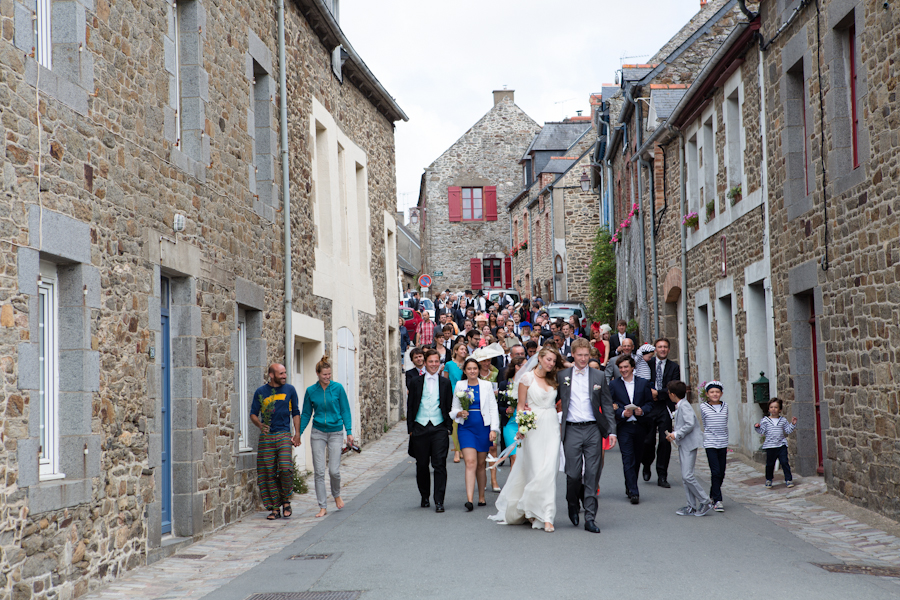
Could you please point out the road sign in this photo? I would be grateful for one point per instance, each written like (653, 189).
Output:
(425, 281)
(438, 273)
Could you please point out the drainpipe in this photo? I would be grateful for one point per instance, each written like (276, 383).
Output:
(530, 252)
(686, 366)
(655, 277)
(553, 244)
(605, 182)
(767, 249)
(638, 142)
(286, 198)
(610, 218)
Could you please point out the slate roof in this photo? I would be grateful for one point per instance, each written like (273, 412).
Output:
(665, 101)
(406, 266)
(609, 91)
(559, 164)
(635, 72)
(557, 136)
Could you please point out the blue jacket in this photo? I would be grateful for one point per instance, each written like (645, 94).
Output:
(642, 397)
(329, 409)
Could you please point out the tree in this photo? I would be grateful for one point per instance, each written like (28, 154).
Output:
(603, 278)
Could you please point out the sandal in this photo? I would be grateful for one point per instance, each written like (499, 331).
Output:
(275, 514)
(286, 511)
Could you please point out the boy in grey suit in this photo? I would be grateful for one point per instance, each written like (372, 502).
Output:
(688, 437)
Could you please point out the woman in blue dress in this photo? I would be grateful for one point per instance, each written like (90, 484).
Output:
(479, 426)
(507, 412)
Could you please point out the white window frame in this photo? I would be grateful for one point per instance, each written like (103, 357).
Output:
(243, 404)
(48, 357)
(43, 45)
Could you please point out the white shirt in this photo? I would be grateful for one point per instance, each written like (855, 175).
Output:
(629, 387)
(432, 382)
(580, 397)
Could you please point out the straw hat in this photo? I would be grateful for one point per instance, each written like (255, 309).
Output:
(488, 352)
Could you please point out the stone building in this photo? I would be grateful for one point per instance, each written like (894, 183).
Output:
(548, 216)
(409, 254)
(143, 267)
(797, 275)
(463, 233)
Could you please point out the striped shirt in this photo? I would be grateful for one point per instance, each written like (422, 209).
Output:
(775, 431)
(715, 425)
(641, 368)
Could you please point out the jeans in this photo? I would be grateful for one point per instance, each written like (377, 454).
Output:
(716, 459)
(319, 440)
(781, 455)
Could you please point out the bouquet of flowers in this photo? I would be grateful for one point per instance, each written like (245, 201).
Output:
(701, 391)
(511, 399)
(466, 397)
(265, 413)
(525, 421)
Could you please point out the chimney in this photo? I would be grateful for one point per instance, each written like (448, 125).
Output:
(703, 4)
(500, 95)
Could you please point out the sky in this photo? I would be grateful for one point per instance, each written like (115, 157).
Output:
(442, 60)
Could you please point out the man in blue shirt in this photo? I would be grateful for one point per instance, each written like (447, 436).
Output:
(275, 405)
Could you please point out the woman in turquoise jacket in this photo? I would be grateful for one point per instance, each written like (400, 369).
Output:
(326, 404)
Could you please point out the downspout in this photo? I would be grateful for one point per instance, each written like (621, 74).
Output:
(285, 197)
(553, 243)
(530, 252)
(686, 366)
(610, 218)
(638, 130)
(767, 235)
(655, 277)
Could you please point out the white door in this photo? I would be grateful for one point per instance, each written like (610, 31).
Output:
(346, 372)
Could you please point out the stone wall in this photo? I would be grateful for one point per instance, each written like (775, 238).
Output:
(486, 155)
(108, 175)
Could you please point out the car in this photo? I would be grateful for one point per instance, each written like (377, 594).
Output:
(565, 309)
(424, 303)
(411, 320)
(493, 295)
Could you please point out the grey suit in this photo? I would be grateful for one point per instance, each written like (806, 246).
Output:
(583, 443)
(689, 438)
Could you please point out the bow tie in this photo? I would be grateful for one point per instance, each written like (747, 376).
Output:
(581, 371)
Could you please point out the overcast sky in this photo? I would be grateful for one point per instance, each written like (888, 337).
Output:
(442, 60)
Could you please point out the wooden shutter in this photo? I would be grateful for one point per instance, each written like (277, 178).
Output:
(507, 272)
(490, 203)
(475, 267)
(454, 203)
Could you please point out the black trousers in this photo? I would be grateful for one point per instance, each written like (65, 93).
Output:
(781, 455)
(716, 458)
(430, 443)
(662, 452)
(631, 444)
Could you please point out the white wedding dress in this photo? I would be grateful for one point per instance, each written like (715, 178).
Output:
(530, 490)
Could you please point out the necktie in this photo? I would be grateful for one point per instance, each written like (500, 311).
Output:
(659, 374)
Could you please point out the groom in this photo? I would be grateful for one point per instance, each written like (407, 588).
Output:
(587, 417)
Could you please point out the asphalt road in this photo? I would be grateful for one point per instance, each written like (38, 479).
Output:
(386, 546)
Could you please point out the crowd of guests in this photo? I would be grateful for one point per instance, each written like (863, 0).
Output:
(484, 344)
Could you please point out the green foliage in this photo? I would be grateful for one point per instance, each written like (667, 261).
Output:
(710, 210)
(300, 485)
(734, 193)
(602, 299)
(633, 326)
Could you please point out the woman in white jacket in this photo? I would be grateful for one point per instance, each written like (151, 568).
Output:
(478, 427)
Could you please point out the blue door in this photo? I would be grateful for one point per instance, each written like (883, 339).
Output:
(166, 390)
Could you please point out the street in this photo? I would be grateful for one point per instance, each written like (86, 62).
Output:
(385, 545)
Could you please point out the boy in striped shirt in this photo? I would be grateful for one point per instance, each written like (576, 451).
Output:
(776, 428)
(715, 439)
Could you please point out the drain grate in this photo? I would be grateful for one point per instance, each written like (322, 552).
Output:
(310, 557)
(306, 596)
(862, 570)
(190, 556)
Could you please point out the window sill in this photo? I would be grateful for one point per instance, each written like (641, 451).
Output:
(51, 477)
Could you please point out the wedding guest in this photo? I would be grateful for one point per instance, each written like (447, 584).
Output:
(715, 439)
(428, 423)
(662, 371)
(425, 331)
(453, 371)
(687, 436)
(531, 348)
(508, 426)
(479, 426)
(775, 428)
(577, 331)
(418, 360)
(325, 404)
(644, 354)
(445, 343)
(617, 339)
(274, 464)
(487, 371)
(630, 423)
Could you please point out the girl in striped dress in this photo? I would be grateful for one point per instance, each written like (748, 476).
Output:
(714, 413)
(775, 428)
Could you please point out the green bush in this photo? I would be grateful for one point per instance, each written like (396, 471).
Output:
(602, 300)
(300, 485)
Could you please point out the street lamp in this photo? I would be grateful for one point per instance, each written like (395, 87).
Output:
(761, 392)
(585, 182)
(414, 216)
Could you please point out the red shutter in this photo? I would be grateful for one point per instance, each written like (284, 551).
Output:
(454, 202)
(475, 266)
(507, 272)
(490, 203)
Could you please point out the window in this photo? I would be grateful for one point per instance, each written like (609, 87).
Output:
(733, 124)
(43, 49)
(708, 163)
(244, 407)
(854, 113)
(693, 173)
(797, 133)
(471, 204)
(48, 392)
(492, 269)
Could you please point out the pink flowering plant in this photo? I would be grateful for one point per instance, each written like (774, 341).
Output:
(692, 219)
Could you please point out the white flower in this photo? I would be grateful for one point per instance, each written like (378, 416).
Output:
(567, 381)
(596, 387)
(523, 430)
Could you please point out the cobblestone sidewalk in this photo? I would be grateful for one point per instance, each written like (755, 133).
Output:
(246, 543)
(847, 539)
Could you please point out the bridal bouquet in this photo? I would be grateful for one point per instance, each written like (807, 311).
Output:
(525, 421)
(466, 397)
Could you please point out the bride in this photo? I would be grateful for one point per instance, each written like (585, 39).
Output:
(530, 490)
